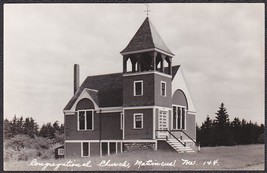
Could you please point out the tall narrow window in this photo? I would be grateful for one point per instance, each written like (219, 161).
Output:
(85, 149)
(89, 120)
(163, 88)
(104, 148)
(81, 120)
(179, 117)
(138, 88)
(183, 118)
(112, 147)
(138, 121)
(86, 120)
(174, 117)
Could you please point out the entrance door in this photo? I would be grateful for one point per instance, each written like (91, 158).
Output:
(162, 123)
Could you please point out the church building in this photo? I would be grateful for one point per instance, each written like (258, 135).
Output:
(146, 106)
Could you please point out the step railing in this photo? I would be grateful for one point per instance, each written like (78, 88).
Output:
(196, 143)
(184, 144)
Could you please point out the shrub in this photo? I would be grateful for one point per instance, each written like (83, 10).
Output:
(22, 147)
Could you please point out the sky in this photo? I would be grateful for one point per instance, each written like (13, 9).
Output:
(219, 46)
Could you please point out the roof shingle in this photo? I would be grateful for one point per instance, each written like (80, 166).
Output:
(109, 89)
(146, 37)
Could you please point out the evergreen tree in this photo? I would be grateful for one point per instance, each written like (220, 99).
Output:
(236, 130)
(222, 128)
(222, 118)
(206, 133)
(7, 129)
(47, 131)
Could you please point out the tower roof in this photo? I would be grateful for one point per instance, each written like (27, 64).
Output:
(146, 38)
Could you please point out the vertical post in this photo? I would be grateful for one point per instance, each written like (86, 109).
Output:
(170, 65)
(139, 63)
(125, 63)
(162, 63)
(154, 63)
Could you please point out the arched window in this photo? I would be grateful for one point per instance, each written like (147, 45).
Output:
(85, 112)
(179, 106)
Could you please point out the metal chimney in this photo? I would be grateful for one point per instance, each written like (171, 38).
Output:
(76, 77)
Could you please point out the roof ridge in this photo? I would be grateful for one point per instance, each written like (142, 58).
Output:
(149, 23)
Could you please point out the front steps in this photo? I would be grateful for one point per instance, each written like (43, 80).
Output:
(176, 145)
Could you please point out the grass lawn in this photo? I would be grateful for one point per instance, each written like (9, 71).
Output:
(246, 157)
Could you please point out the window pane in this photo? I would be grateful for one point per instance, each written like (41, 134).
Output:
(85, 149)
(163, 87)
(179, 118)
(138, 121)
(183, 118)
(112, 147)
(89, 120)
(174, 117)
(82, 120)
(138, 88)
(104, 146)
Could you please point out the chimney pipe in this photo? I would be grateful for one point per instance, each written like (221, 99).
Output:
(76, 77)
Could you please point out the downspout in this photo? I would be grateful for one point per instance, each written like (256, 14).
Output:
(100, 131)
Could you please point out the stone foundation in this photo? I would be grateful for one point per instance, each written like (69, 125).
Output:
(134, 146)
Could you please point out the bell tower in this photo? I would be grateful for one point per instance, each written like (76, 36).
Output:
(147, 52)
(147, 78)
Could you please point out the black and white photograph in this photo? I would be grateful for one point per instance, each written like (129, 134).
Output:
(134, 87)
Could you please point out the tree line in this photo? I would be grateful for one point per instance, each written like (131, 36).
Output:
(29, 127)
(222, 132)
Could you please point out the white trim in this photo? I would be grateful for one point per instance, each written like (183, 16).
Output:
(156, 145)
(145, 107)
(110, 109)
(134, 120)
(121, 147)
(68, 112)
(121, 121)
(154, 123)
(165, 93)
(97, 141)
(116, 147)
(145, 140)
(89, 147)
(148, 72)
(108, 148)
(85, 119)
(147, 50)
(191, 112)
(91, 89)
(134, 91)
(100, 148)
(83, 95)
(123, 127)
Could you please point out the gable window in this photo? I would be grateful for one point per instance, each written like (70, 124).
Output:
(163, 88)
(138, 88)
(86, 119)
(85, 149)
(138, 121)
(178, 117)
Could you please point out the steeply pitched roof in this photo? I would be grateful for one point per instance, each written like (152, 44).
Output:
(146, 37)
(109, 87)
(109, 90)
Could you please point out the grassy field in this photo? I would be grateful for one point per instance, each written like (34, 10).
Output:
(249, 157)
